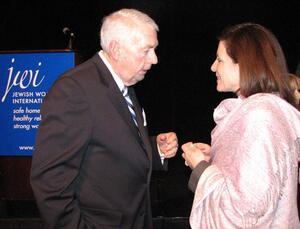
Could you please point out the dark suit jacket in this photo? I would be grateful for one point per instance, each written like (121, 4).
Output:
(90, 168)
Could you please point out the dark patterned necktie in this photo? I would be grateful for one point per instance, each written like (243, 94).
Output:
(132, 112)
(130, 105)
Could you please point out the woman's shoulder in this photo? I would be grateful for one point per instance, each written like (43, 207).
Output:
(267, 101)
(269, 107)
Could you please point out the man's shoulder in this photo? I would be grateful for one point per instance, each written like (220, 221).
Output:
(89, 65)
(84, 75)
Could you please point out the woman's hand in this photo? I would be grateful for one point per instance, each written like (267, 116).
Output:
(194, 153)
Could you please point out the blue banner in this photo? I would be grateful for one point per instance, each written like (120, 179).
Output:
(25, 79)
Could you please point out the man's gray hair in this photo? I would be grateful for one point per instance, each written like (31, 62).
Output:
(119, 25)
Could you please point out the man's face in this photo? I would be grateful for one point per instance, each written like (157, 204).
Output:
(137, 55)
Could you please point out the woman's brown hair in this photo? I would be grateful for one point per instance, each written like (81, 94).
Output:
(261, 60)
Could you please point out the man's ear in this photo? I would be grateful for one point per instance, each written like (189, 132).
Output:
(114, 50)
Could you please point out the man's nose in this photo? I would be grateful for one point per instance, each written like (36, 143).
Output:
(153, 58)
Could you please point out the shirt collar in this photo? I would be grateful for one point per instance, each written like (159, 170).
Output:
(117, 79)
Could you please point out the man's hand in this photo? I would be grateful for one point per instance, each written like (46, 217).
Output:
(167, 144)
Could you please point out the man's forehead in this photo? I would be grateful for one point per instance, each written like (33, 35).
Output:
(145, 41)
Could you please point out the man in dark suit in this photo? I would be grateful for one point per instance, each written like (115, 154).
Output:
(93, 159)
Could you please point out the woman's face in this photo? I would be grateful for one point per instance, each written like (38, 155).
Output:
(227, 72)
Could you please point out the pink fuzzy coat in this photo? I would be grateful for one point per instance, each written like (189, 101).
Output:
(252, 181)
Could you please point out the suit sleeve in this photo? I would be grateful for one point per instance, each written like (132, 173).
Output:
(60, 148)
(156, 160)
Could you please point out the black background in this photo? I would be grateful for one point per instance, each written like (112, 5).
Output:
(179, 93)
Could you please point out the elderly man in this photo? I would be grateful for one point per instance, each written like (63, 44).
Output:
(93, 159)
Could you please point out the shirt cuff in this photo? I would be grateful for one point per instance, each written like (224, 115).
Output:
(196, 174)
(162, 156)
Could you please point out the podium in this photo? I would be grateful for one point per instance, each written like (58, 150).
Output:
(26, 77)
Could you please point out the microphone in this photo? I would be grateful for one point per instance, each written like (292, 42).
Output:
(70, 35)
(67, 31)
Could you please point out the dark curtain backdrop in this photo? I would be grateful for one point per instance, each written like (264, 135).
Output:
(179, 93)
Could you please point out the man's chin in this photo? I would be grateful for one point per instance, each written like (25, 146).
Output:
(140, 77)
(135, 80)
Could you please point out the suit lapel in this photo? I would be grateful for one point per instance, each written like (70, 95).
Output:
(117, 99)
(140, 121)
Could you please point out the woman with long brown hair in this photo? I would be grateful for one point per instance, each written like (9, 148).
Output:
(248, 177)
